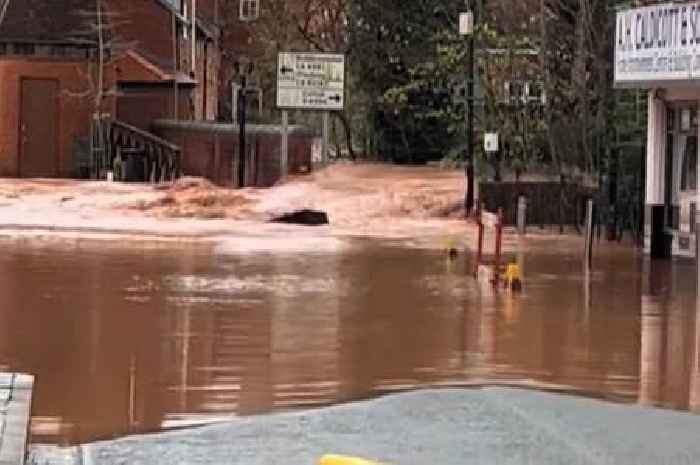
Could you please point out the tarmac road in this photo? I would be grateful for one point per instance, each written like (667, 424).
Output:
(438, 427)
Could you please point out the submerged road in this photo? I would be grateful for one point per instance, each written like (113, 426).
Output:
(445, 427)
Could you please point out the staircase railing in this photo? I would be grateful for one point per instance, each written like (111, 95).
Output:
(132, 154)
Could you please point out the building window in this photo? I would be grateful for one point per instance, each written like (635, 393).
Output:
(693, 216)
(249, 10)
(689, 175)
(185, 28)
(670, 120)
(175, 4)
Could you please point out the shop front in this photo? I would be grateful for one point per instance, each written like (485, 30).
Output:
(658, 48)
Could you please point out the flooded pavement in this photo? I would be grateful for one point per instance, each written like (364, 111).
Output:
(128, 337)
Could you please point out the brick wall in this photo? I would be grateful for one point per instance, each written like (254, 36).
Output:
(211, 150)
(74, 112)
(148, 25)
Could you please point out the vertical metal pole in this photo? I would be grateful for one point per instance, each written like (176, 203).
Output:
(284, 150)
(241, 135)
(132, 393)
(176, 67)
(234, 102)
(325, 137)
(469, 162)
(480, 249)
(499, 239)
(588, 257)
(194, 38)
(522, 215)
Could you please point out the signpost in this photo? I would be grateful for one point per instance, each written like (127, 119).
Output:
(309, 81)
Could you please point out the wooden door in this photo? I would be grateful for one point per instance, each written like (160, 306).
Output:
(38, 129)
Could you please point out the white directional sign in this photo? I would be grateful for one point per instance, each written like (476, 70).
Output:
(311, 81)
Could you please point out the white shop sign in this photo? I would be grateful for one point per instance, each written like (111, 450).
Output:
(657, 44)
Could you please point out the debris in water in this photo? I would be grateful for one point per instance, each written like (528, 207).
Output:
(304, 217)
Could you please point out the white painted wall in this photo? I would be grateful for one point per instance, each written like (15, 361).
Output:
(656, 150)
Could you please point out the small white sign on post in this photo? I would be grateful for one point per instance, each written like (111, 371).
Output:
(491, 142)
(311, 81)
(488, 219)
(466, 23)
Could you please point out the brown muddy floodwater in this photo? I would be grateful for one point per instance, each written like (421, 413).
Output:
(127, 338)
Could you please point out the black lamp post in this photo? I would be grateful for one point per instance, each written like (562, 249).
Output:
(242, 104)
(466, 28)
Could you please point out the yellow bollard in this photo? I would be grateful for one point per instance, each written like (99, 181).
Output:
(513, 280)
(450, 247)
(344, 460)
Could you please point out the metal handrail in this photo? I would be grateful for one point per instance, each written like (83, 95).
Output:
(145, 134)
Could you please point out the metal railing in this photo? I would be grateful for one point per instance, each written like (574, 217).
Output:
(132, 154)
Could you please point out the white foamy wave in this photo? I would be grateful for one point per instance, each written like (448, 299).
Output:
(283, 244)
(282, 285)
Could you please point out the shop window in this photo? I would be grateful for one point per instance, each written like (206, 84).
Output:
(670, 120)
(249, 10)
(176, 4)
(693, 217)
(674, 220)
(689, 173)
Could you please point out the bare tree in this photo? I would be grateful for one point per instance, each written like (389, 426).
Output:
(323, 26)
(99, 36)
(4, 4)
(285, 25)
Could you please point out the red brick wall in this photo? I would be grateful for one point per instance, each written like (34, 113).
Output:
(74, 112)
(206, 10)
(149, 25)
(143, 105)
(211, 155)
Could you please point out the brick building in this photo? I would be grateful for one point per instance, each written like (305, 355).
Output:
(48, 67)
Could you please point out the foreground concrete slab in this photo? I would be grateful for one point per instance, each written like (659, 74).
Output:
(15, 411)
(447, 427)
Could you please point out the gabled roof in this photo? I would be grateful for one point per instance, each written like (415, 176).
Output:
(58, 20)
(42, 20)
(134, 67)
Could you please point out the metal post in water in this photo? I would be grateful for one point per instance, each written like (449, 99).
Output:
(132, 393)
(522, 215)
(588, 256)
(284, 149)
(480, 249)
(241, 136)
(499, 239)
(325, 137)
(234, 103)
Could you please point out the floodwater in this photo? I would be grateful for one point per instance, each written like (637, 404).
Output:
(135, 337)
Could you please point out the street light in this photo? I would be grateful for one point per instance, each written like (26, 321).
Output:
(466, 29)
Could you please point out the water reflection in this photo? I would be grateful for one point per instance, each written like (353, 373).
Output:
(129, 338)
(669, 336)
(694, 401)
